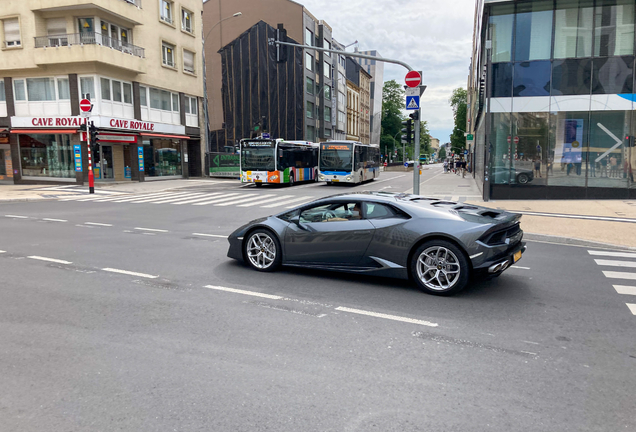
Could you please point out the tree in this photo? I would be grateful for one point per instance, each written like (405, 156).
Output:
(425, 138)
(392, 103)
(458, 102)
(442, 153)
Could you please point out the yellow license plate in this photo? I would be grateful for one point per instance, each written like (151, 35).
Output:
(335, 181)
(517, 256)
(258, 181)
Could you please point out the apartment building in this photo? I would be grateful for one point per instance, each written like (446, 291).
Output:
(340, 88)
(376, 70)
(139, 64)
(358, 102)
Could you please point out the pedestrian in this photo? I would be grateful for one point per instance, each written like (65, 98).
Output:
(604, 166)
(451, 165)
(537, 167)
(445, 166)
(613, 166)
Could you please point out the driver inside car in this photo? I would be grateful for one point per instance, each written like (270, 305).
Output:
(356, 212)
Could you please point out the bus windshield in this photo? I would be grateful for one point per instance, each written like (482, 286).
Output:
(258, 156)
(336, 157)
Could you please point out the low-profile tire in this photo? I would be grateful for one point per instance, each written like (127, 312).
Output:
(439, 267)
(262, 250)
(291, 179)
(523, 178)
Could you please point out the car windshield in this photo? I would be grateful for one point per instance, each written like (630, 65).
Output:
(336, 157)
(258, 159)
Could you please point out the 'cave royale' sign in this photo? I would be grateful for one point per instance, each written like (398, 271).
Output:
(47, 122)
(101, 122)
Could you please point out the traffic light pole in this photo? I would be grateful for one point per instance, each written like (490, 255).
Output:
(91, 176)
(416, 155)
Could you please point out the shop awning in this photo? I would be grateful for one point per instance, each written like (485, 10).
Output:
(165, 136)
(44, 131)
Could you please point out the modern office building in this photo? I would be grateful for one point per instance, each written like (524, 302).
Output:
(138, 64)
(376, 70)
(246, 86)
(551, 99)
(340, 99)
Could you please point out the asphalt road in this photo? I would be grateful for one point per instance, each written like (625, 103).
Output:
(141, 323)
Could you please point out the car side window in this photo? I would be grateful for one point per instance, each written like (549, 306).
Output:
(332, 212)
(381, 211)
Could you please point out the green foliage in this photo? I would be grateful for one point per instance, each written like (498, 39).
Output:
(458, 102)
(459, 97)
(392, 103)
(425, 138)
(442, 153)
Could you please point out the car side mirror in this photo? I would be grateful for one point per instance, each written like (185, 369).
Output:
(295, 220)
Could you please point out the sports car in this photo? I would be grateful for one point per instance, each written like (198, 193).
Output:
(440, 245)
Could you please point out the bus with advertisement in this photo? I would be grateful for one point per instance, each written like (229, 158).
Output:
(348, 162)
(277, 161)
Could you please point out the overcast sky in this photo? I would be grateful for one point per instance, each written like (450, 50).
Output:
(434, 36)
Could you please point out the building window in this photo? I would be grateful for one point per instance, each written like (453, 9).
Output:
(614, 28)
(327, 44)
(328, 114)
(311, 133)
(310, 110)
(12, 33)
(105, 85)
(3, 96)
(573, 24)
(117, 91)
(127, 93)
(87, 87)
(40, 89)
(501, 23)
(327, 133)
(309, 61)
(326, 70)
(167, 54)
(188, 61)
(309, 37)
(572, 77)
(327, 92)
(532, 78)
(533, 31)
(191, 105)
(47, 155)
(63, 90)
(175, 102)
(162, 157)
(143, 100)
(19, 90)
(166, 11)
(309, 83)
(187, 23)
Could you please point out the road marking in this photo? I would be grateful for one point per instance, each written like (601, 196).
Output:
(151, 229)
(530, 342)
(622, 289)
(210, 235)
(97, 224)
(569, 216)
(54, 220)
(385, 316)
(180, 195)
(280, 197)
(16, 217)
(619, 275)
(135, 197)
(280, 203)
(632, 308)
(238, 291)
(612, 254)
(189, 201)
(39, 258)
(244, 200)
(520, 268)
(223, 198)
(614, 263)
(299, 204)
(1, 251)
(455, 198)
(181, 198)
(126, 272)
(387, 179)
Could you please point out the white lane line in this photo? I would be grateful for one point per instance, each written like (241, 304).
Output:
(223, 199)
(619, 275)
(54, 220)
(389, 317)
(208, 196)
(135, 197)
(387, 179)
(180, 195)
(455, 198)
(530, 342)
(632, 308)
(126, 272)
(182, 198)
(520, 268)
(244, 200)
(289, 201)
(614, 263)
(627, 290)
(570, 216)
(238, 291)
(210, 235)
(280, 197)
(151, 229)
(299, 204)
(612, 254)
(16, 217)
(39, 258)
(1, 251)
(97, 224)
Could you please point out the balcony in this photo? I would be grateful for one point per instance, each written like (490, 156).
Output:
(129, 10)
(89, 47)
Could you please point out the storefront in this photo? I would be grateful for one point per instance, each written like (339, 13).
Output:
(6, 167)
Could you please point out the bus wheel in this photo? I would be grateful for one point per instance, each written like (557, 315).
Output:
(316, 176)
(291, 179)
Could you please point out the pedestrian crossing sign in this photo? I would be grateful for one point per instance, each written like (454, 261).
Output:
(412, 102)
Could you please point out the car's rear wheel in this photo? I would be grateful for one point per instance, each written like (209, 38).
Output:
(523, 178)
(262, 250)
(439, 267)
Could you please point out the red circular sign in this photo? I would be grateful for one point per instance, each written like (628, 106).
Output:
(509, 139)
(85, 105)
(413, 79)
(516, 140)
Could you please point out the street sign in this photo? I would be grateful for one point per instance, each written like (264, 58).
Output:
(412, 102)
(516, 140)
(465, 152)
(415, 91)
(509, 139)
(77, 152)
(413, 79)
(86, 105)
(266, 135)
(469, 137)
(406, 164)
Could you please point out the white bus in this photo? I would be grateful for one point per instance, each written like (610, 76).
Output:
(348, 162)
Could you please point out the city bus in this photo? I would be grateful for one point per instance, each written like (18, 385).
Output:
(348, 162)
(278, 161)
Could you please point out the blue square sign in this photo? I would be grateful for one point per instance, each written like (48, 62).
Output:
(412, 102)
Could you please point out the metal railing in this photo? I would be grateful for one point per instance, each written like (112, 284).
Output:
(134, 2)
(88, 38)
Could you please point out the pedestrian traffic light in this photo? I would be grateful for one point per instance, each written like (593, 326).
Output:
(415, 115)
(281, 50)
(407, 131)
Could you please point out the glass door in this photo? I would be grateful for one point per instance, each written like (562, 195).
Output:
(107, 162)
(86, 30)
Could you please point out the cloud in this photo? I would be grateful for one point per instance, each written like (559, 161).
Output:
(434, 36)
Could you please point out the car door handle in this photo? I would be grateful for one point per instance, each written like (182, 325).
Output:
(362, 232)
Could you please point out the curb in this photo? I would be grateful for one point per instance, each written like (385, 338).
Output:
(574, 241)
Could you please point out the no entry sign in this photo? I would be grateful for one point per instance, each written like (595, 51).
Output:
(413, 79)
(86, 105)
(516, 140)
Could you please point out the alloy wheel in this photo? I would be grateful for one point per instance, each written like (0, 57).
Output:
(261, 250)
(438, 268)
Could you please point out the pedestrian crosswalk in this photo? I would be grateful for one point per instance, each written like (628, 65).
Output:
(622, 276)
(198, 198)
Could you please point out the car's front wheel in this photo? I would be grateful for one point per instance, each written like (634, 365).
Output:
(523, 179)
(262, 250)
(439, 267)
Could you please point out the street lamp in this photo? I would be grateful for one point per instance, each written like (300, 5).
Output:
(205, 80)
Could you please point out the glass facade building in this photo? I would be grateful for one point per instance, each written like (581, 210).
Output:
(552, 99)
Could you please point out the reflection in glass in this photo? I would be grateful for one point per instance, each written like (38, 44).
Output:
(501, 22)
(613, 75)
(47, 156)
(162, 157)
(609, 158)
(502, 80)
(571, 77)
(568, 148)
(529, 156)
(500, 164)
(532, 79)
(533, 31)
(573, 24)
(614, 28)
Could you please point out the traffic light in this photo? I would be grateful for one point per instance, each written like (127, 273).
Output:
(94, 136)
(281, 50)
(82, 127)
(407, 131)
(629, 141)
(415, 115)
